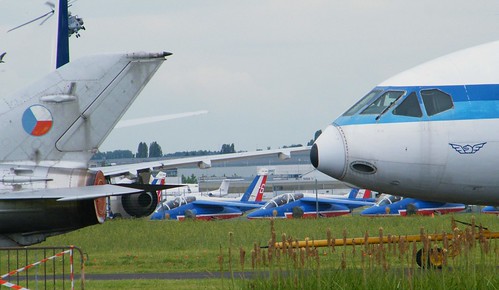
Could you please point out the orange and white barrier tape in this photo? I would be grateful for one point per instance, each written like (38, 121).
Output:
(14, 286)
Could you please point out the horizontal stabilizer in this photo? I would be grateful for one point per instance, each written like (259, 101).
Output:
(150, 187)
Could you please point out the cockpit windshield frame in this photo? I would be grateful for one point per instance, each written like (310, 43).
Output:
(178, 201)
(367, 99)
(389, 199)
(384, 101)
(283, 199)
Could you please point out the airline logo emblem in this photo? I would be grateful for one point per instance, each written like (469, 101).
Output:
(37, 120)
(467, 149)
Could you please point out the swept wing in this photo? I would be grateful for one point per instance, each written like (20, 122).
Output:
(200, 161)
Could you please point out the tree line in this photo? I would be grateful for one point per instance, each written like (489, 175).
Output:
(154, 150)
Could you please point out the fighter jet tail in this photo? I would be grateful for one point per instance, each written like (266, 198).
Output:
(67, 115)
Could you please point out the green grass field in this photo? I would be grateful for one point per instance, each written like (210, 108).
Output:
(143, 246)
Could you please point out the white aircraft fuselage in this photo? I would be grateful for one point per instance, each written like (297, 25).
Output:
(427, 133)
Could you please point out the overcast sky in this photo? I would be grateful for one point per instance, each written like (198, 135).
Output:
(270, 73)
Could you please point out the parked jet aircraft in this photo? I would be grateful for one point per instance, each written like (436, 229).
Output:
(491, 209)
(212, 208)
(430, 131)
(289, 205)
(116, 207)
(51, 129)
(222, 191)
(391, 205)
(190, 189)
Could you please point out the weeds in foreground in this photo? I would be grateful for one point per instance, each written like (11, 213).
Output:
(460, 259)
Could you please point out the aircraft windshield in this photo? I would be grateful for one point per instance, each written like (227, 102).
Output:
(178, 201)
(387, 200)
(282, 199)
(364, 101)
(383, 102)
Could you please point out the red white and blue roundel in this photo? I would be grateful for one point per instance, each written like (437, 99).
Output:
(37, 120)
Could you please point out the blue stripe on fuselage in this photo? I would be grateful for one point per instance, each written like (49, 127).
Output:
(470, 102)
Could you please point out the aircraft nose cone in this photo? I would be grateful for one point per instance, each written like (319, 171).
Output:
(160, 214)
(156, 216)
(251, 215)
(259, 213)
(328, 153)
(314, 156)
(370, 211)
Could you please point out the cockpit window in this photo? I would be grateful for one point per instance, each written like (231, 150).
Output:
(282, 199)
(409, 107)
(178, 201)
(189, 199)
(436, 101)
(173, 203)
(389, 199)
(383, 102)
(297, 196)
(394, 198)
(360, 104)
(270, 204)
(384, 201)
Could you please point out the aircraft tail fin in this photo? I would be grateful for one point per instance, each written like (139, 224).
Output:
(353, 193)
(254, 193)
(367, 194)
(224, 187)
(159, 179)
(67, 115)
(223, 190)
(360, 193)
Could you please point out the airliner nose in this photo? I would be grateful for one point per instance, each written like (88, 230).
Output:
(328, 153)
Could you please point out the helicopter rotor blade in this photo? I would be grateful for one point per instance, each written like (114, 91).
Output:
(44, 20)
(31, 21)
(52, 8)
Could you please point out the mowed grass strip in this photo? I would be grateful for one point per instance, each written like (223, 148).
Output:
(144, 246)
